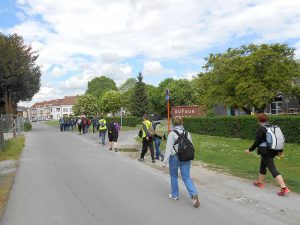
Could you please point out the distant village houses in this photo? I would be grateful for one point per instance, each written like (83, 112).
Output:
(53, 109)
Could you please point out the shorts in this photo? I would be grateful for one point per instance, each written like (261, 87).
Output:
(112, 138)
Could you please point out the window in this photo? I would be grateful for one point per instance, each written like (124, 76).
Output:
(276, 107)
(65, 109)
(57, 109)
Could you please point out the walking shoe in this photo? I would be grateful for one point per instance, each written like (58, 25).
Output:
(162, 158)
(196, 203)
(283, 191)
(116, 150)
(141, 159)
(110, 149)
(173, 198)
(258, 184)
(153, 160)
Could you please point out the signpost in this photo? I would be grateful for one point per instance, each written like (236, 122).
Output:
(168, 108)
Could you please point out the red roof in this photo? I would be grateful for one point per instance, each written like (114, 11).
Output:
(67, 100)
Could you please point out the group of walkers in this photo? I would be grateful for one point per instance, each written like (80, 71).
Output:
(98, 125)
(172, 158)
(152, 134)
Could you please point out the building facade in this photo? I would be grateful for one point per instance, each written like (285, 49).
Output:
(53, 109)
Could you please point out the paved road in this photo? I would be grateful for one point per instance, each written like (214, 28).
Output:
(70, 179)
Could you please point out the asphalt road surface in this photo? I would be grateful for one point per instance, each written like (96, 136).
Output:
(70, 179)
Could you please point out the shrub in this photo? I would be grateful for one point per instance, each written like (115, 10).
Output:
(27, 126)
(242, 126)
(130, 121)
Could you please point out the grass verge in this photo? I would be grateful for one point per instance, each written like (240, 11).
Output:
(126, 128)
(52, 123)
(11, 151)
(12, 148)
(5, 187)
(227, 155)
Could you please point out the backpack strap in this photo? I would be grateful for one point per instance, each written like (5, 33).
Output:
(176, 142)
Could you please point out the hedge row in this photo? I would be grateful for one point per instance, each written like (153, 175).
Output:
(242, 126)
(130, 121)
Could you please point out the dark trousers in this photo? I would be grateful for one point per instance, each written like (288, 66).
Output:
(267, 161)
(147, 144)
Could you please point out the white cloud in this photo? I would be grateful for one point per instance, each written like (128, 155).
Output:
(154, 68)
(107, 33)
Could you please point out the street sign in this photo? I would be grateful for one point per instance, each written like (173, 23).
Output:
(167, 92)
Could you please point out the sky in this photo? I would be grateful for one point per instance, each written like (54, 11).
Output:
(78, 40)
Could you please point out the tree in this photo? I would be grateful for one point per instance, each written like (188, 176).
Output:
(128, 85)
(19, 74)
(87, 104)
(99, 85)
(111, 102)
(249, 76)
(139, 99)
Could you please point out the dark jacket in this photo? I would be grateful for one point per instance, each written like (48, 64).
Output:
(261, 137)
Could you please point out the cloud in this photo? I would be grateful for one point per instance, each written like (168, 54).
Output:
(98, 37)
(154, 68)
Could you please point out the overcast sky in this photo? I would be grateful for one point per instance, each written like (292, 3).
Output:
(78, 40)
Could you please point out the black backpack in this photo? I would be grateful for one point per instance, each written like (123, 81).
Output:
(186, 151)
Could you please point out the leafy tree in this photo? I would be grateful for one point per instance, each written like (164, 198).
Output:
(139, 103)
(128, 85)
(87, 104)
(19, 74)
(249, 76)
(111, 102)
(99, 85)
(181, 93)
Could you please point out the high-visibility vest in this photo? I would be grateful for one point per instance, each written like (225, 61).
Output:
(148, 125)
(102, 128)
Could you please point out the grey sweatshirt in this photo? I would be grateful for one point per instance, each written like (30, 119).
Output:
(172, 137)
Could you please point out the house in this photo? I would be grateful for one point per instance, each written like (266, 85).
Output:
(53, 109)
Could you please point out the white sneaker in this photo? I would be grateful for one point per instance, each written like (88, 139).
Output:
(170, 196)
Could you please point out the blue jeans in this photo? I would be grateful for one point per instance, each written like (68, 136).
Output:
(157, 142)
(102, 136)
(174, 164)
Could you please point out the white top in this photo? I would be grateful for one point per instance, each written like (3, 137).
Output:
(172, 137)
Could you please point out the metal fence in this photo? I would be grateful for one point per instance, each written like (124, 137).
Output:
(10, 127)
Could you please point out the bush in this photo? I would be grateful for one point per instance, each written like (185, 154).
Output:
(130, 121)
(27, 126)
(242, 126)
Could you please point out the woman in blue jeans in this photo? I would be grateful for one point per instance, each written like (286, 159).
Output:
(174, 163)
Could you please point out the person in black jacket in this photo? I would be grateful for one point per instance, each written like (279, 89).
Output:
(267, 156)
(113, 135)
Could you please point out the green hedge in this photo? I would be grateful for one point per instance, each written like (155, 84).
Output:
(242, 126)
(27, 126)
(130, 121)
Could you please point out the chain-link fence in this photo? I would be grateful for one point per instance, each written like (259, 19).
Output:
(1, 134)
(10, 127)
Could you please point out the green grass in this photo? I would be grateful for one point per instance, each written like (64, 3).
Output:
(126, 128)
(52, 123)
(12, 148)
(227, 155)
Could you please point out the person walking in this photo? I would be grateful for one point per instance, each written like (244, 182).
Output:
(147, 138)
(171, 157)
(61, 123)
(102, 130)
(158, 137)
(112, 135)
(267, 156)
(79, 124)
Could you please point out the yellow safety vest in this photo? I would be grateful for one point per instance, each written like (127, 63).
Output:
(148, 125)
(104, 127)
